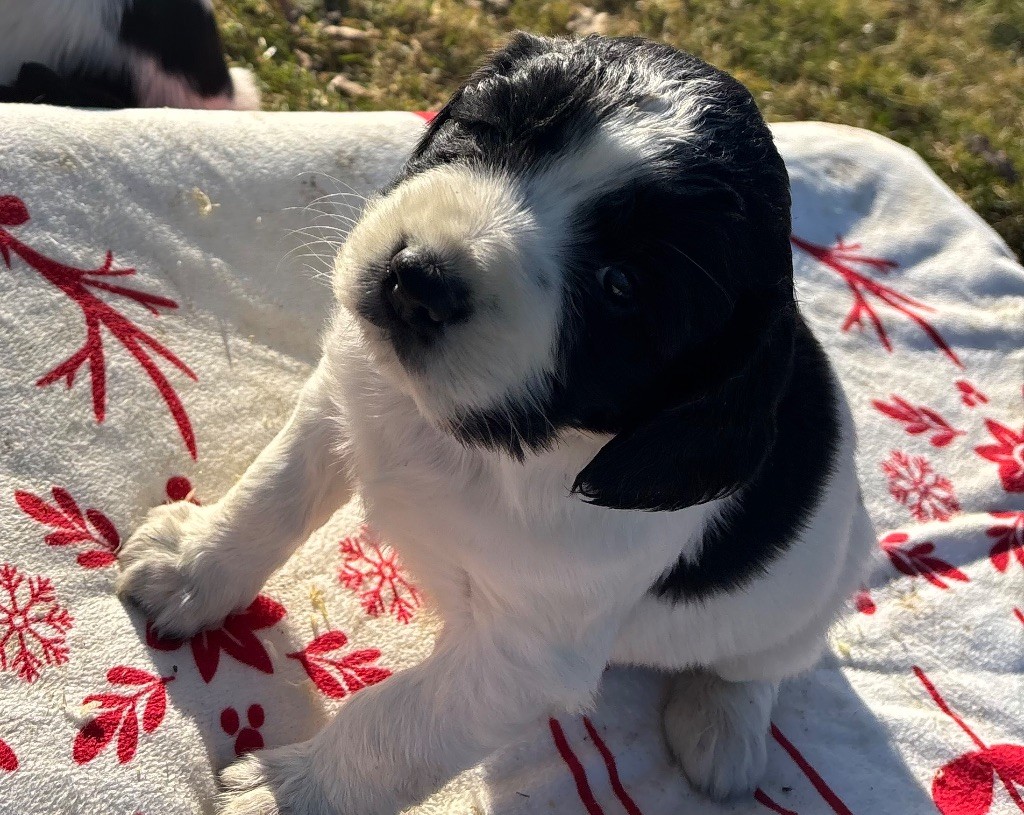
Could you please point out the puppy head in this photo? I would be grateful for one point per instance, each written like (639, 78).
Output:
(592, 235)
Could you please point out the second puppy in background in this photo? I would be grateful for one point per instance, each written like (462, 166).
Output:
(118, 53)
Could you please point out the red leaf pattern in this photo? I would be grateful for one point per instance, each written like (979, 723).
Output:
(841, 259)
(235, 637)
(80, 286)
(914, 483)
(117, 714)
(1008, 454)
(339, 675)
(918, 420)
(73, 527)
(33, 624)
(970, 395)
(179, 488)
(863, 601)
(8, 760)
(917, 560)
(965, 786)
(372, 569)
(1009, 539)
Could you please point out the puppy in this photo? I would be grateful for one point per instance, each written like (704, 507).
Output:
(118, 53)
(569, 379)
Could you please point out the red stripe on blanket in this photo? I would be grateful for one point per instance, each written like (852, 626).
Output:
(579, 775)
(613, 771)
(823, 788)
(762, 798)
(426, 115)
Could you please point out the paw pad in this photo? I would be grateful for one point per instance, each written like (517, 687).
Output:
(248, 738)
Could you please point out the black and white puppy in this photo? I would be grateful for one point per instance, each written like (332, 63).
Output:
(570, 381)
(118, 53)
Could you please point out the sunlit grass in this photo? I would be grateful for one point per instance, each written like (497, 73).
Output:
(945, 77)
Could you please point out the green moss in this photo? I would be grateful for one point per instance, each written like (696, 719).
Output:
(945, 77)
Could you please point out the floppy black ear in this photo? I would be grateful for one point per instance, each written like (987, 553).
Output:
(710, 443)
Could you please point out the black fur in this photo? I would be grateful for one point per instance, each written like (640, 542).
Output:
(182, 36)
(38, 84)
(772, 508)
(708, 379)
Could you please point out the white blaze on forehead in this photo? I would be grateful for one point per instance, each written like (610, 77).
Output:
(625, 143)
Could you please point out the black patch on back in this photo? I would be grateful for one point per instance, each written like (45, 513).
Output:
(181, 35)
(773, 509)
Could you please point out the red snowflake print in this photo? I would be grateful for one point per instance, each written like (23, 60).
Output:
(1008, 454)
(8, 760)
(966, 785)
(919, 560)
(841, 259)
(917, 420)
(970, 395)
(33, 624)
(91, 529)
(372, 569)
(339, 675)
(118, 714)
(248, 738)
(81, 287)
(915, 484)
(1009, 539)
(235, 637)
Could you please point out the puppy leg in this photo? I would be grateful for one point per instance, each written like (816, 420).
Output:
(393, 744)
(717, 731)
(188, 567)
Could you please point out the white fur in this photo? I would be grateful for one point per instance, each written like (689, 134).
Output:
(538, 590)
(715, 729)
(483, 227)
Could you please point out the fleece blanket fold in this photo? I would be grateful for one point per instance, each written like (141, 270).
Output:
(163, 283)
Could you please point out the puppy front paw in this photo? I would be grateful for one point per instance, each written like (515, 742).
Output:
(718, 732)
(272, 782)
(171, 569)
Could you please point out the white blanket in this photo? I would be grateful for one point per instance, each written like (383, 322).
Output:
(157, 317)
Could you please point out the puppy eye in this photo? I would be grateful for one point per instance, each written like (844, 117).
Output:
(616, 283)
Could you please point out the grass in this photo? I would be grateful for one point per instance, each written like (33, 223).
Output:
(945, 77)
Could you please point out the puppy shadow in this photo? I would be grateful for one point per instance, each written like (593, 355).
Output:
(827, 752)
(936, 552)
(242, 697)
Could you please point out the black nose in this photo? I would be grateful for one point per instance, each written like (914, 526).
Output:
(422, 291)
